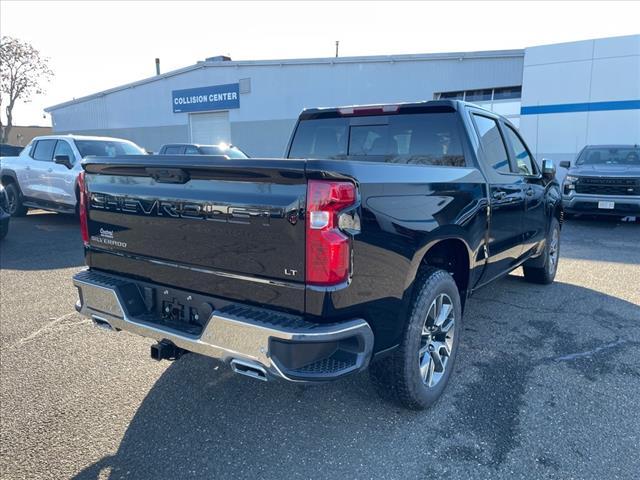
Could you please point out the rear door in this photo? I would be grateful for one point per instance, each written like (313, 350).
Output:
(38, 184)
(506, 197)
(63, 179)
(535, 218)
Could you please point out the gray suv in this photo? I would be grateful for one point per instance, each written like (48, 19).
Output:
(603, 180)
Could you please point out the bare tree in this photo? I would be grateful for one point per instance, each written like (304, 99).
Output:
(22, 72)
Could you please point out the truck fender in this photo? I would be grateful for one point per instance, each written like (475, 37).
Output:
(7, 175)
(455, 238)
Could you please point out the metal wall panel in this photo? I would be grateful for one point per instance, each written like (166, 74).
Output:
(581, 93)
(279, 91)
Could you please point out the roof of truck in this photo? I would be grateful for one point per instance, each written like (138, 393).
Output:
(80, 137)
(387, 108)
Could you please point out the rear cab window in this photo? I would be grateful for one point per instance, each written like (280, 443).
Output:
(410, 138)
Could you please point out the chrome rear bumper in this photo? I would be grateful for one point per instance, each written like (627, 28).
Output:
(281, 345)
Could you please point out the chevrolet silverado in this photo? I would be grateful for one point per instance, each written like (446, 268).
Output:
(359, 250)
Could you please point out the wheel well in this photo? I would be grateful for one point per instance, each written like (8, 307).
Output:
(7, 179)
(452, 256)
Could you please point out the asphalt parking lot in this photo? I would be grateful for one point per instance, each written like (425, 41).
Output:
(547, 385)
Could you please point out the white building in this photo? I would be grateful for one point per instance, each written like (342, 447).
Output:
(562, 96)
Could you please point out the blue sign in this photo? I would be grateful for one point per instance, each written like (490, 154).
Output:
(215, 97)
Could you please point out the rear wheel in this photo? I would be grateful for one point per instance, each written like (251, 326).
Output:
(417, 372)
(546, 272)
(16, 209)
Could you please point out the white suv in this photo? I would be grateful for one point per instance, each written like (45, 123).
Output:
(45, 174)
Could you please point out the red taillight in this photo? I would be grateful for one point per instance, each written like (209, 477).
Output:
(328, 250)
(82, 209)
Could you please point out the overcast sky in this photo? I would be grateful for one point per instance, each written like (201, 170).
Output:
(93, 46)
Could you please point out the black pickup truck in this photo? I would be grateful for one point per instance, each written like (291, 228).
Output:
(358, 250)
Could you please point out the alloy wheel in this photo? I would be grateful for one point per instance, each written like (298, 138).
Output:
(12, 197)
(436, 340)
(553, 249)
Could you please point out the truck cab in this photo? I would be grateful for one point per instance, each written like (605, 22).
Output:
(44, 175)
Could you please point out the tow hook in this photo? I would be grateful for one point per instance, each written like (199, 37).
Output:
(165, 350)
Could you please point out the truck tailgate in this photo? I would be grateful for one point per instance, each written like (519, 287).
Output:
(236, 225)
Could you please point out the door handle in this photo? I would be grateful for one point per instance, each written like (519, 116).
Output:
(499, 195)
(529, 192)
(50, 170)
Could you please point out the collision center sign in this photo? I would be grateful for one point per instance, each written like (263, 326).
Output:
(215, 97)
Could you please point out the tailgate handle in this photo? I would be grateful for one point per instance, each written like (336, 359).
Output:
(168, 175)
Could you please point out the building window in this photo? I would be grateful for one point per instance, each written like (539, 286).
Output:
(482, 95)
(478, 95)
(507, 93)
(451, 96)
(504, 101)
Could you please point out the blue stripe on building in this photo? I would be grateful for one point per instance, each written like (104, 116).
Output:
(581, 107)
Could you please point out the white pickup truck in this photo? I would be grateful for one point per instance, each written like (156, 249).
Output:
(45, 174)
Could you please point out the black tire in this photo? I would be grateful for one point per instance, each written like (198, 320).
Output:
(399, 376)
(543, 270)
(16, 209)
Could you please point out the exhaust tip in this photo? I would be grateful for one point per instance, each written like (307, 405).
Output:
(249, 369)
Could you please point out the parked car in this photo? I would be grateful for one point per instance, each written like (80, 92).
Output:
(361, 248)
(7, 150)
(5, 216)
(45, 174)
(230, 151)
(603, 180)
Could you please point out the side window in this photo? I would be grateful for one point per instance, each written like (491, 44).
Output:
(492, 143)
(524, 162)
(63, 148)
(43, 150)
(173, 150)
(191, 150)
(29, 149)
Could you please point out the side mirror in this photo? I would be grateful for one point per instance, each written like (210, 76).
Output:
(565, 164)
(548, 168)
(63, 160)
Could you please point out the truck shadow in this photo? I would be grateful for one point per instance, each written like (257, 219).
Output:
(201, 421)
(42, 241)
